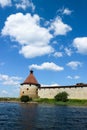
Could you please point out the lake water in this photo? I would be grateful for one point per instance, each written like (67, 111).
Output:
(18, 116)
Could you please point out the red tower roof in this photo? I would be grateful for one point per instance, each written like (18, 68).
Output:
(31, 79)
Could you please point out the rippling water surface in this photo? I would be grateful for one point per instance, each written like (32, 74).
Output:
(18, 116)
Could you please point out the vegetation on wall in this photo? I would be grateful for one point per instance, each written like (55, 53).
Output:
(62, 96)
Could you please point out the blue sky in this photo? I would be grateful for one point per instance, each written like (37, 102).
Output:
(49, 37)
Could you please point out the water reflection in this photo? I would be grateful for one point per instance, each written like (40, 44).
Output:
(15, 116)
(28, 116)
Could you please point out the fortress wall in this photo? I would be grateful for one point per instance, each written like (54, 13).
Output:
(74, 92)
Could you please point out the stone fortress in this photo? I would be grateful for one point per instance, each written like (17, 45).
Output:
(33, 89)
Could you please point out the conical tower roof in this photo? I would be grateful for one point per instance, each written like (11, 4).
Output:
(31, 79)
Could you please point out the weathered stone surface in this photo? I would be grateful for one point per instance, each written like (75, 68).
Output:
(74, 92)
(30, 90)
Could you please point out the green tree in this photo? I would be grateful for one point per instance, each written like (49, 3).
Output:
(25, 98)
(62, 96)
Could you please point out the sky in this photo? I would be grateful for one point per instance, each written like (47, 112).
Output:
(47, 36)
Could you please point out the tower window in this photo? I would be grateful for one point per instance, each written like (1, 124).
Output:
(23, 92)
(27, 88)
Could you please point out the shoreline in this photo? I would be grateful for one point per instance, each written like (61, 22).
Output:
(70, 102)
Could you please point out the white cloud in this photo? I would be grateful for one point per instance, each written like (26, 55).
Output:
(4, 92)
(55, 42)
(58, 54)
(61, 47)
(50, 85)
(30, 51)
(66, 11)
(71, 77)
(68, 51)
(74, 64)
(27, 31)
(47, 66)
(14, 92)
(76, 77)
(11, 81)
(4, 3)
(25, 4)
(59, 27)
(80, 44)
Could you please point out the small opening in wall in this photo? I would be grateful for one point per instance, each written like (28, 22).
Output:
(27, 88)
(23, 92)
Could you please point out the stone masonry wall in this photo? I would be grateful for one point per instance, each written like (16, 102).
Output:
(30, 90)
(74, 92)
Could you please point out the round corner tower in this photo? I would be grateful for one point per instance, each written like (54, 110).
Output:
(30, 86)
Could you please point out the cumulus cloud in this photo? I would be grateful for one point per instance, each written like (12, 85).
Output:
(68, 51)
(76, 77)
(4, 3)
(27, 31)
(11, 81)
(58, 54)
(74, 64)
(67, 11)
(47, 66)
(30, 51)
(80, 44)
(34, 38)
(64, 11)
(69, 77)
(73, 77)
(25, 4)
(59, 27)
